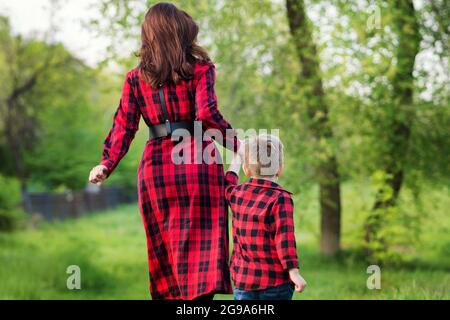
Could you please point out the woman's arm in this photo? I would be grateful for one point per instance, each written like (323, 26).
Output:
(119, 138)
(209, 114)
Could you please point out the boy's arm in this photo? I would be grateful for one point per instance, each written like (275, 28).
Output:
(235, 165)
(232, 175)
(283, 210)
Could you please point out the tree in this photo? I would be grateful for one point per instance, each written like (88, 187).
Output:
(400, 102)
(407, 29)
(24, 68)
(310, 82)
(44, 112)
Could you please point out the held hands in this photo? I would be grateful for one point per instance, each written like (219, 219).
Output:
(297, 279)
(236, 161)
(240, 151)
(98, 174)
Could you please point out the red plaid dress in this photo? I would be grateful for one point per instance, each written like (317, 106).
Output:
(264, 246)
(182, 205)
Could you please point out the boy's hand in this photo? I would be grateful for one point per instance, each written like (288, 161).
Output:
(297, 279)
(237, 159)
(235, 164)
(241, 149)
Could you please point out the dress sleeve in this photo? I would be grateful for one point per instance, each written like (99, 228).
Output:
(125, 125)
(209, 114)
(283, 211)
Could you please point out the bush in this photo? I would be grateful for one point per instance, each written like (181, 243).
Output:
(10, 212)
(392, 231)
(11, 219)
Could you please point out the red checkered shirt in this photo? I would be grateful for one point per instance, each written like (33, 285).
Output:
(264, 246)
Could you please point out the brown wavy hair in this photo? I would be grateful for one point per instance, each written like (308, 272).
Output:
(169, 46)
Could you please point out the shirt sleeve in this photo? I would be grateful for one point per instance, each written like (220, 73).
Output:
(125, 124)
(231, 181)
(208, 113)
(283, 211)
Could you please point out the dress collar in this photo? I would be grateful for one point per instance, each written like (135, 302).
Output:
(264, 183)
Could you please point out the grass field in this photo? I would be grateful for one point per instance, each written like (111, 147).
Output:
(110, 249)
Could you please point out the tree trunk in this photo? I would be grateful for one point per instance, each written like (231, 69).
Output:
(14, 143)
(327, 169)
(330, 206)
(409, 39)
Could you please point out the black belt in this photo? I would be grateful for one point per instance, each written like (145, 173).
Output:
(165, 129)
(160, 130)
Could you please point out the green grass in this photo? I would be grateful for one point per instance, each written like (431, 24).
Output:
(110, 249)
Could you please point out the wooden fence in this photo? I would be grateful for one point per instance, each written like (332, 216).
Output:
(72, 204)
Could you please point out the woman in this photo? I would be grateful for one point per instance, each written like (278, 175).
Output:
(182, 205)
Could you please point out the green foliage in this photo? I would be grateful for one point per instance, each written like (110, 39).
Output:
(59, 119)
(257, 73)
(392, 229)
(46, 112)
(11, 215)
(69, 138)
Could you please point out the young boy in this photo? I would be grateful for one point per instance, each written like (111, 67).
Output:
(264, 263)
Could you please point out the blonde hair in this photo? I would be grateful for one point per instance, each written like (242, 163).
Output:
(263, 155)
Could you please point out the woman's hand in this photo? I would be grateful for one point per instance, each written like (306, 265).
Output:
(98, 174)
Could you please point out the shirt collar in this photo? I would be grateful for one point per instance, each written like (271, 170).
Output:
(264, 183)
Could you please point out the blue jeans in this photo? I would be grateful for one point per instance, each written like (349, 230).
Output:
(282, 292)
